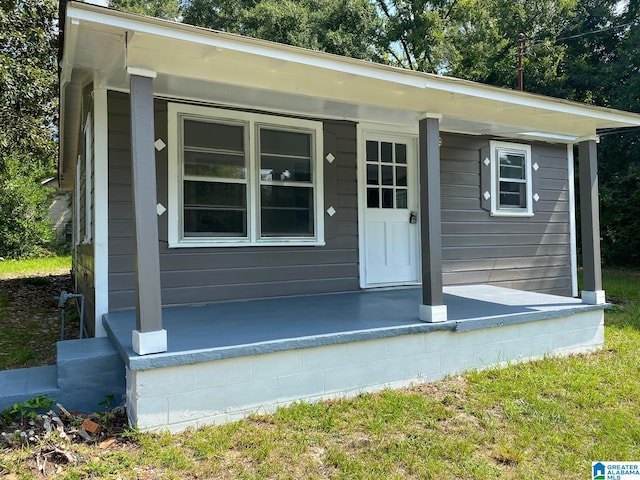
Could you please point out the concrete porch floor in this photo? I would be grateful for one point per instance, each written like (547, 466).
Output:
(236, 329)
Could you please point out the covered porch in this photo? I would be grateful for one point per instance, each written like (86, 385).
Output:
(227, 360)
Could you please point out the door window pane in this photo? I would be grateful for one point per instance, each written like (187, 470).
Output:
(386, 152)
(387, 175)
(387, 198)
(372, 174)
(401, 153)
(401, 176)
(373, 198)
(401, 198)
(372, 151)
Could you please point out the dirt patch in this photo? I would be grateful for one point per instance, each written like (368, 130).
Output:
(30, 321)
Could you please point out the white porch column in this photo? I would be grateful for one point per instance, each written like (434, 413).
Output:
(149, 336)
(433, 308)
(590, 222)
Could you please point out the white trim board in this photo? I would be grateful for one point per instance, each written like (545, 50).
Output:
(572, 221)
(101, 208)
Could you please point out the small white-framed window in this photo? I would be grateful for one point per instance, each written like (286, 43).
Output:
(239, 178)
(511, 191)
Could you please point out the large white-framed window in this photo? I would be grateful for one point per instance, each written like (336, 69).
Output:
(241, 178)
(511, 190)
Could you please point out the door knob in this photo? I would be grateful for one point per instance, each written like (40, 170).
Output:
(413, 217)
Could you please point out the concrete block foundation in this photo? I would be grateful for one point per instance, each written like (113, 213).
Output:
(218, 391)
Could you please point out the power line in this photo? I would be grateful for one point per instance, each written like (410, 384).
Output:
(584, 34)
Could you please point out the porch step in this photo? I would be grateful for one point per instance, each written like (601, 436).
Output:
(23, 384)
(87, 372)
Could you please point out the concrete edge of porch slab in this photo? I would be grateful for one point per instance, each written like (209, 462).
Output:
(512, 319)
(169, 359)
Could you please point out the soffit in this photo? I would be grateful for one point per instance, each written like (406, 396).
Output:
(213, 67)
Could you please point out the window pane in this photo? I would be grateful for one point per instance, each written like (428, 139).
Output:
(286, 211)
(401, 153)
(512, 166)
(214, 165)
(387, 175)
(372, 174)
(281, 142)
(373, 198)
(401, 176)
(386, 152)
(401, 198)
(215, 209)
(513, 195)
(213, 135)
(372, 151)
(387, 198)
(285, 169)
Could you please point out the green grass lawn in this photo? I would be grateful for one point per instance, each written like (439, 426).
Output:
(546, 419)
(34, 266)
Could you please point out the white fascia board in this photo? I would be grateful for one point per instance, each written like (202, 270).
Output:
(197, 35)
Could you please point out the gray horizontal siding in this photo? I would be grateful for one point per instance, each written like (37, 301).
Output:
(84, 252)
(523, 253)
(204, 275)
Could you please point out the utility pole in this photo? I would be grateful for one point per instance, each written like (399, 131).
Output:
(521, 42)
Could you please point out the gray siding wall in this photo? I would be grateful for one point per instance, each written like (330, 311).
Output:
(84, 256)
(524, 253)
(202, 275)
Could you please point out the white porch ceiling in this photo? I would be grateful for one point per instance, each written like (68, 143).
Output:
(219, 68)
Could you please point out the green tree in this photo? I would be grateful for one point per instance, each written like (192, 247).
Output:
(25, 229)
(28, 116)
(618, 152)
(28, 80)
(416, 33)
(343, 27)
(166, 9)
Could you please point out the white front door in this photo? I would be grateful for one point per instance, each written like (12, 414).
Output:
(391, 209)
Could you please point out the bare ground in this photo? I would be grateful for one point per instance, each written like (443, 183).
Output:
(30, 320)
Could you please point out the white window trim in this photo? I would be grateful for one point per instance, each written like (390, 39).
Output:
(519, 148)
(253, 122)
(78, 209)
(88, 194)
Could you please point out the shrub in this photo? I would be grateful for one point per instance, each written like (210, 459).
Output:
(25, 229)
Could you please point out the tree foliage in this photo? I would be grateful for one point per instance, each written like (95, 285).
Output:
(28, 116)
(343, 27)
(166, 9)
(25, 230)
(28, 80)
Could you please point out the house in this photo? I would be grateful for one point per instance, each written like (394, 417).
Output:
(59, 211)
(257, 224)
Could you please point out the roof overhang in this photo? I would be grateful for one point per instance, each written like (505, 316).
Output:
(213, 67)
